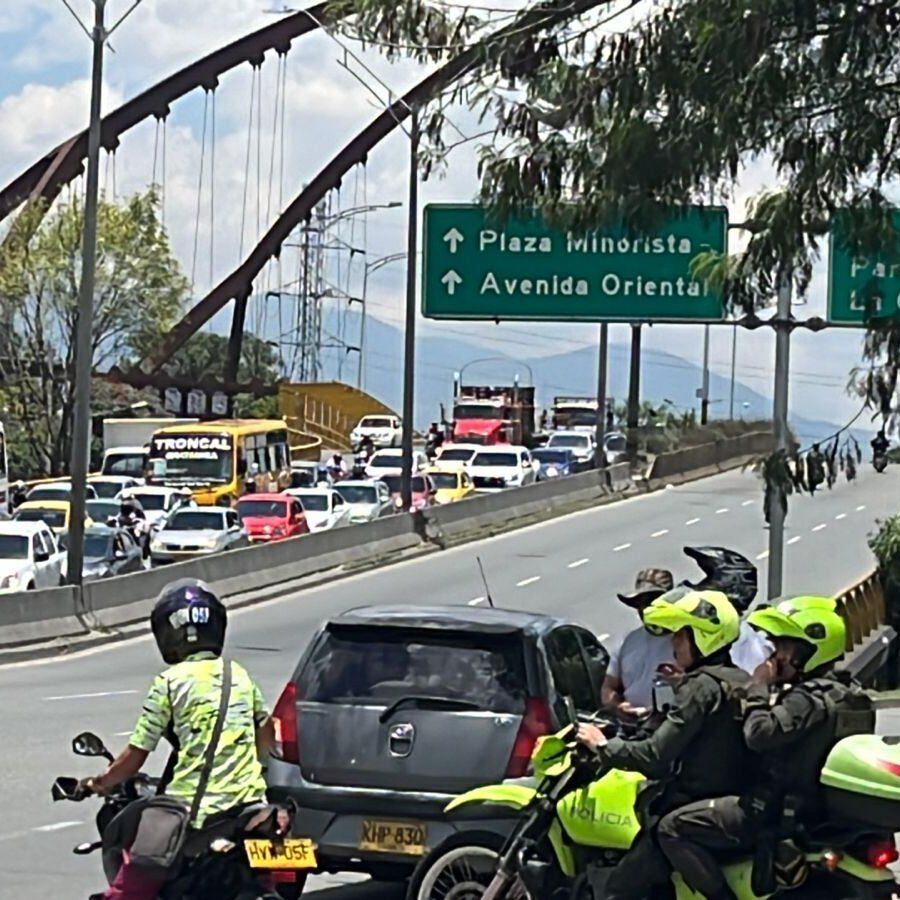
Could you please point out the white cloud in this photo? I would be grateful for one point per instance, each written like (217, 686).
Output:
(39, 117)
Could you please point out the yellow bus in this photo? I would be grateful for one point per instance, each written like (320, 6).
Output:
(215, 459)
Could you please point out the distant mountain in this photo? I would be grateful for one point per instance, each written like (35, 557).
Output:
(664, 376)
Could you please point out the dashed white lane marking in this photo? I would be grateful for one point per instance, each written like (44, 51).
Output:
(660, 533)
(840, 516)
(578, 563)
(763, 555)
(820, 527)
(90, 696)
(692, 522)
(724, 509)
(58, 826)
(861, 508)
(748, 503)
(526, 581)
(602, 637)
(124, 733)
(795, 538)
(621, 547)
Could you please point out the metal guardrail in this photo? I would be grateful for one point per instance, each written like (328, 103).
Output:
(33, 616)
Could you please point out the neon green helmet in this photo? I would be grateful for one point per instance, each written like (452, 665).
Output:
(710, 616)
(811, 620)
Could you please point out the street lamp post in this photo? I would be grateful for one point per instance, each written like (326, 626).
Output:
(81, 426)
(409, 356)
(371, 267)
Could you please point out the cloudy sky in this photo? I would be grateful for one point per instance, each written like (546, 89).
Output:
(247, 178)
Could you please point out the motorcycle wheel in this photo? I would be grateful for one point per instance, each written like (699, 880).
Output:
(461, 871)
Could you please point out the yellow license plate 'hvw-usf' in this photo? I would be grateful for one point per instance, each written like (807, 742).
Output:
(291, 853)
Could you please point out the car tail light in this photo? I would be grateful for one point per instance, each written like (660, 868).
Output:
(284, 717)
(536, 722)
(882, 854)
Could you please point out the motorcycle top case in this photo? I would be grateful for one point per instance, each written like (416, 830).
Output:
(602, 814)
(861, 778)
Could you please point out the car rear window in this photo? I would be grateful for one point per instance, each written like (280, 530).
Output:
(366, 666)
(495, 459)
(262, 509)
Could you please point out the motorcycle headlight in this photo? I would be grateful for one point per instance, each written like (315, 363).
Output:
(552, 471)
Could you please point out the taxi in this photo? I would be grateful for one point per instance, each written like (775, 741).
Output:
(56, 514)
(451, 485)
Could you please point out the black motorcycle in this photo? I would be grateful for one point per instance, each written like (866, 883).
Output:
(240, 854)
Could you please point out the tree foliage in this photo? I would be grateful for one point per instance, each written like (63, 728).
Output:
(140, 291)
(633, 107)
(204, 355)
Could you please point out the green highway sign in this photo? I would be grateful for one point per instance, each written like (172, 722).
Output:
(862, 286)
(475, 268)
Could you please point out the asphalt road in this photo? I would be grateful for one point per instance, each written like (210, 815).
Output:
(571, 565)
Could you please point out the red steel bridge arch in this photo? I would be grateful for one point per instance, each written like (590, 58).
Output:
(46, 177)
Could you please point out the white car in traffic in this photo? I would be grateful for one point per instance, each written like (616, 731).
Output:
(108, 487)
(366, 500)
(502, 466)
(390, 462)
(324, 507)
(29, 557)
(381, 430)
(455, 457)
(55, 490)
(582, 444)
(159, 502)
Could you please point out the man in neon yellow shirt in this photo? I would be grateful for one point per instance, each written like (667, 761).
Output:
(189, 622)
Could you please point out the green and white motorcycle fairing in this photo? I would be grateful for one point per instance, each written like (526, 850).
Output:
(601, 815)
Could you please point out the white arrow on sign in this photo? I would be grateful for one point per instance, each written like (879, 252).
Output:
(450, 281)
(454, 238)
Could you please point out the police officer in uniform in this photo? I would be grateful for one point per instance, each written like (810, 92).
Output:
(796, 711)
(188, 622)
(684, 756)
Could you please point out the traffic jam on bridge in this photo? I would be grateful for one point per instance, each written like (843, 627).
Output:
(357, 539)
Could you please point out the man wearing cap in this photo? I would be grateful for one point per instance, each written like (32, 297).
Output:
(628, 687)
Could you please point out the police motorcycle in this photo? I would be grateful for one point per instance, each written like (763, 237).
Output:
(237, 855)
(575, 823)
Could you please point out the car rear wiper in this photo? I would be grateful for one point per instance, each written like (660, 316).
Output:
(427, 702)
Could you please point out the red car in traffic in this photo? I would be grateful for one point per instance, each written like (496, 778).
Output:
(271, 517)
(423, 491)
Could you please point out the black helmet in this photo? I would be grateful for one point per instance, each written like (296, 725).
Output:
(188, 618)
(727, 571)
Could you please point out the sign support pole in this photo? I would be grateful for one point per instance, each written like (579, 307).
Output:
(780, 413)
(602, 366)
(81, 426)
(704, 398)
(634, 392)
(409, 361)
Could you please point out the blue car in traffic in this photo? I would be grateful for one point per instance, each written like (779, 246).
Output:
(555, 462)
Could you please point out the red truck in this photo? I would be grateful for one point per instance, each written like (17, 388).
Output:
(485, 414)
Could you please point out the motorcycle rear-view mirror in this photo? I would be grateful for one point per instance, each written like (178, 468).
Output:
(64, 788)
(88, 744)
